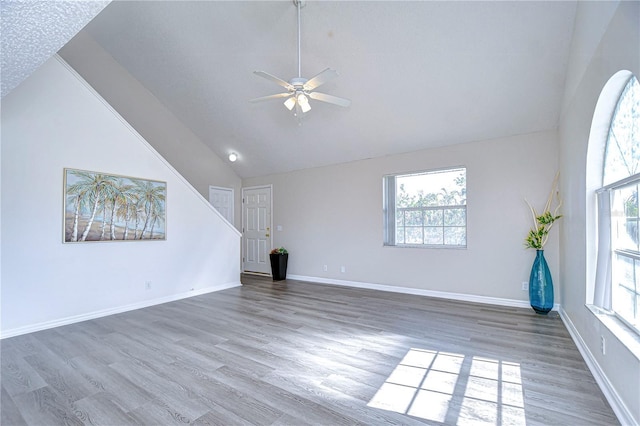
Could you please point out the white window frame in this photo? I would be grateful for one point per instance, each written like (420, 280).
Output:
(606, 282)
(390, 211)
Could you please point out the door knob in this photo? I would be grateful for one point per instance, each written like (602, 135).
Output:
(266, 235)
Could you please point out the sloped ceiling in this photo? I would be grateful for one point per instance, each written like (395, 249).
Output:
(419, 74)
(32, 31)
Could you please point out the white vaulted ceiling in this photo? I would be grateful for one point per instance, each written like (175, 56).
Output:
(419, 74)
(32, 31)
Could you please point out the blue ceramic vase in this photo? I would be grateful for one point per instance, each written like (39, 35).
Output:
(540, 285)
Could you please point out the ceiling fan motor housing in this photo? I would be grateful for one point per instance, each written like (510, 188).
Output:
(298, 82)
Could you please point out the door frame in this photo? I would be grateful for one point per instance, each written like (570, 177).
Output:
(243, 245)
(233, 201)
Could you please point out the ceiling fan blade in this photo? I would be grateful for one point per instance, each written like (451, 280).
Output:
(323, 97)
(270, 97)
(274, 79)
(320, 79)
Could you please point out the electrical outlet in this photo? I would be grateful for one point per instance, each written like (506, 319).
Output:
(343, 269)
(147, 285)
(525, 286)
(603, 345)
(325, 268)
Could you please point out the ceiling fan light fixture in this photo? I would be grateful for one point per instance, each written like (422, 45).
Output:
(290, 103)
(304, 103)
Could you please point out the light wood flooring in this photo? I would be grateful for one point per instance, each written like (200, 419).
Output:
(294, 353)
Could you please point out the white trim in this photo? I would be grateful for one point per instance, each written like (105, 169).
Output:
(596, 145)
(390, 208)
(621, 330)
(142, 139)
(424, 172)
(112, 311)
(617, 405)
(421, 292)
(633, 179)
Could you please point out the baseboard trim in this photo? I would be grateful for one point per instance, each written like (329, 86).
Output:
(420, 292)
(112, 311)
(617, 405)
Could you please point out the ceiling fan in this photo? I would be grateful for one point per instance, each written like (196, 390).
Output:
(300, 89)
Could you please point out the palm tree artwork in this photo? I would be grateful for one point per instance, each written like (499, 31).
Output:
(106, 207)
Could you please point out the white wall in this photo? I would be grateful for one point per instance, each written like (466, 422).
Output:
(333, 216)
(55, 120)
(606, 40)
(172, 139)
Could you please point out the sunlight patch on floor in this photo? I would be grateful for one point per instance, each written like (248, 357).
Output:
(454, 388)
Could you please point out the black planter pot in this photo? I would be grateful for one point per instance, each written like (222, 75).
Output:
(279, 266)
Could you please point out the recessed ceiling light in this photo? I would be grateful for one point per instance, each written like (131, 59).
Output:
(233, 157)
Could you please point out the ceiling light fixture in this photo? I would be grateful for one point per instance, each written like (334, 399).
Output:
(303, 102)
(233, 157)
(290, 103)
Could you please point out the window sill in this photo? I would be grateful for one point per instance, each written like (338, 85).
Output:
(627, 336)
(426, 246)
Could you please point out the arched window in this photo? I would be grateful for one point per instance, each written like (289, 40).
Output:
(617, 285)
(622, 152)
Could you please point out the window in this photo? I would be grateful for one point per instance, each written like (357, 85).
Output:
(426, 209)
(621, 184)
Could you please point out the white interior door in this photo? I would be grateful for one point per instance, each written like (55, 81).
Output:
(256, 229)
(222, 200)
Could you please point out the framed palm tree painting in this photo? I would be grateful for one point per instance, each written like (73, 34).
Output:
(106, 207)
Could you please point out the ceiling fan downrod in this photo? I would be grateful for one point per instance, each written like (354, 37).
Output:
(299, 4)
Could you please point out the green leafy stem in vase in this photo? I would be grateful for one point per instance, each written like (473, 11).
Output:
(542, 223)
